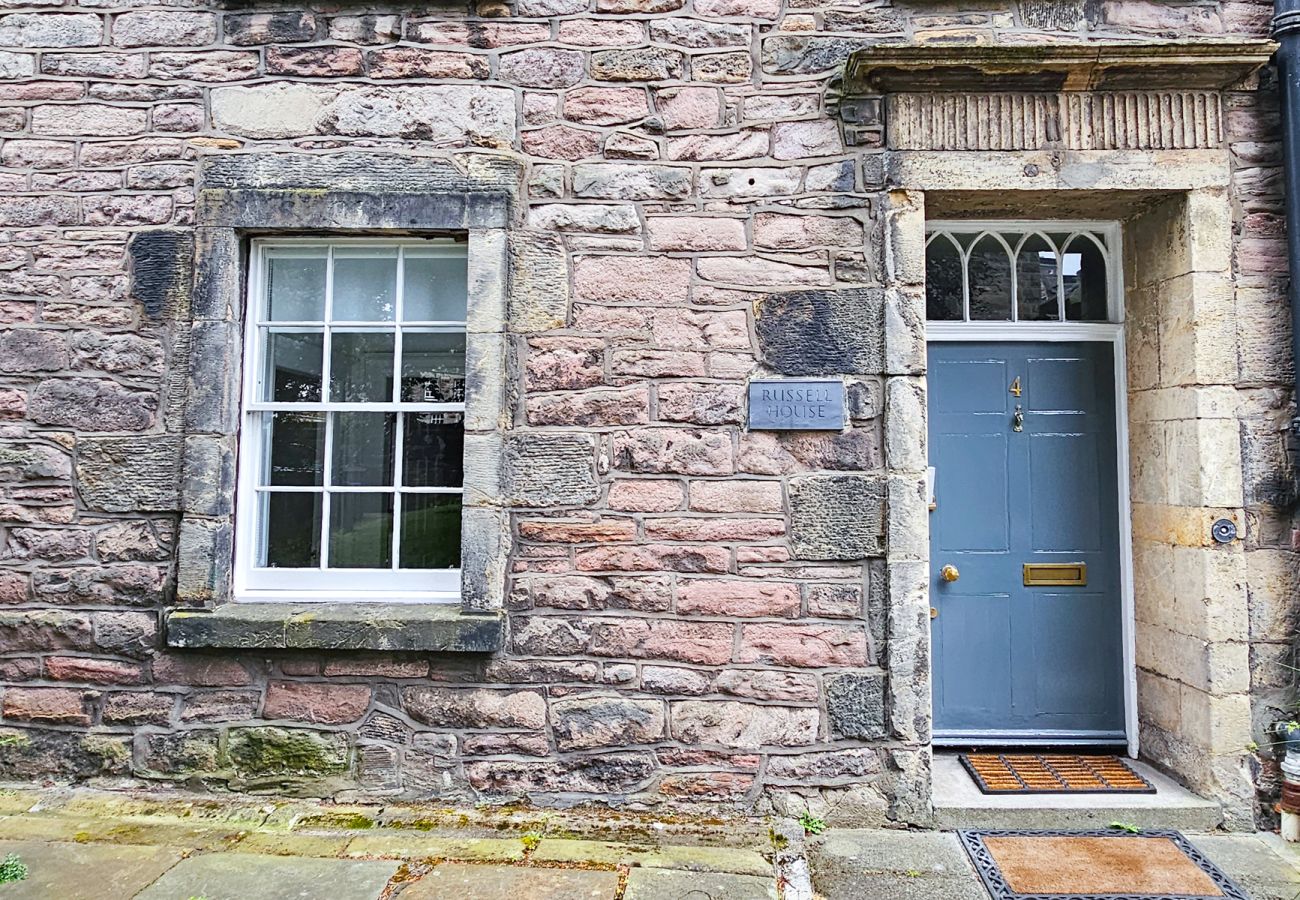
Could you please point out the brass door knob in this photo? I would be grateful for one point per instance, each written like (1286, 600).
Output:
(949, 573)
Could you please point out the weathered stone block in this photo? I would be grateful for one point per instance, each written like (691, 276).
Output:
(855, 703)
(837, 516)
(453, 708)
(129, 474)
(831, 332)
(268, 751)
(742, 725)
(161, 268)
(610, 722)
(548, 470)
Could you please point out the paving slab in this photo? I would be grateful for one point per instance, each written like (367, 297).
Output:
(417, 845)
(279, 843)
(694, 859)
(247, 876)
(669, 884)
(851, 864)
(1255, 863)
(485, 882)
(84, 871)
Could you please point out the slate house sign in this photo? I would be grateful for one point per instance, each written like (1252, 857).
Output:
(796, 405)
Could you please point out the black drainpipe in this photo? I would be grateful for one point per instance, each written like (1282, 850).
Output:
(1286, 30)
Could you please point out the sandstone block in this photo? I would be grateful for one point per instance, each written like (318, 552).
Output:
(732, 496)
(822, 332)
(675, 450)
(808, 645)
(702, 404)
(164, 28)
(688, 107)
(641, 64)
(729, 597)
(645, 495)
(561, 142)
(564, 363)
(614, 181)
(543, 68)
(742, 725)
(606, 722)
(92, 405)
(50, 30)
(702, 643)
(801, 232)
(800, 140)
(88, 119)
(325, 704)
(93, 671)
(475, 708)
(605, 106)
(696, 233)
(759, 684)
(654, 280)
(314, 62)
(263, 751)
(59, 706)
(653, 558)
(593, 218)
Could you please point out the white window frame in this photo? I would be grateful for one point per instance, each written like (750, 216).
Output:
(255, 583)
(968, 329)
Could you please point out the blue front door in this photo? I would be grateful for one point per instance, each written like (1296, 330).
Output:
(1022, 441)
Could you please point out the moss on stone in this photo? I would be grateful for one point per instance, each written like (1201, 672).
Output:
(284, 751)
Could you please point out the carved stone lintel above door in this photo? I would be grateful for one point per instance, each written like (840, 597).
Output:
(1076, 97)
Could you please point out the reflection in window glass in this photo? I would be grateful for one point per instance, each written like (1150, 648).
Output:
(1083, 268)
(943, 281)
(292, 524)
(433, 367)
(989, 273)
(1036, 281)
(434, 289)
(361, 531)
(297, 442)
(361, 367)
(430, 531)
(434, 451)
(363, 448)
(296, 286)
(365, 285)
(293, 367)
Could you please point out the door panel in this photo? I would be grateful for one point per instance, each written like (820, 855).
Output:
(1013, 661)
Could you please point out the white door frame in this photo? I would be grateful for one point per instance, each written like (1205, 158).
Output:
(1060, 332)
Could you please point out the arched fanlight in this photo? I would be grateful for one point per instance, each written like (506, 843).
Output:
(1085, 280)
(989, 277)
(945, 273)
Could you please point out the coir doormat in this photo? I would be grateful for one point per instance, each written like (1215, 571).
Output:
(1056, 773)
(1095, 865)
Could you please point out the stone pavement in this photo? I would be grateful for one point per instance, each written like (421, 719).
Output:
(88, 845)
(97, 845)
(850, 864)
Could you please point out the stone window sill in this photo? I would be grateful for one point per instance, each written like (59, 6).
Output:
(438, 627)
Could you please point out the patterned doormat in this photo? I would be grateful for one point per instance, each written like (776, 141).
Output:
(1057, 773)
(1095, 865)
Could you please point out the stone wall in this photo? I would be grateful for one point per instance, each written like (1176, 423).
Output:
(691, 631)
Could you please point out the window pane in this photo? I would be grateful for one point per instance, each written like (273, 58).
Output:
(943, 290)
(1036, 281)
(434, 451)
(292, 530)
(296, 283)
(990, 281)
(434, 288)
(1084, 268)
(297, 454)
(430, 531)
(433, 367)
(293, 367)
(363, 449)
(361, 531)
(365, 285)
(361, 367)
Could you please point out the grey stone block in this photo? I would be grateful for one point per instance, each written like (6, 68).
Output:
(856, 704)
(129, 474)
(823, 332)
(213, 403)
(208, 476)
(539, 283)
(161, 269)
(549, 470)
(204, 553)
(837, 517)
